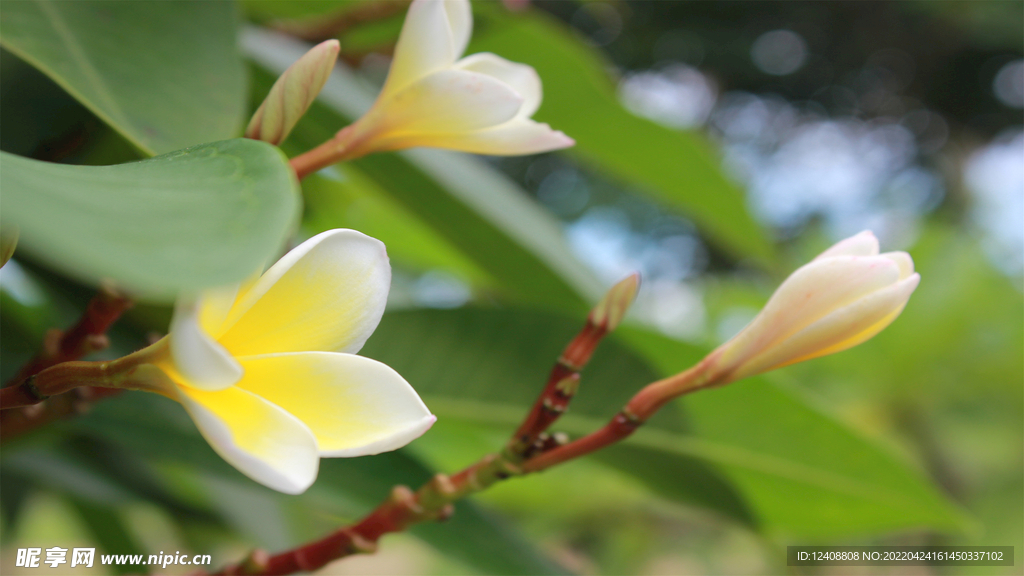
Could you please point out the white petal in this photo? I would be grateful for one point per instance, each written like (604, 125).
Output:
(199, 360)
(522, 78)
(510, 139)
(862, 244)
(450, 101)
(263, 441)
(214, 306)
(841, 329)
(327, 294)
(903, 260)
(425, 45)
(354, 405)
(460, 22)
(810, 293)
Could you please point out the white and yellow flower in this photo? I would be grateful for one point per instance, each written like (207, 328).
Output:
(481, 103)
(268, 370)
(843, 297)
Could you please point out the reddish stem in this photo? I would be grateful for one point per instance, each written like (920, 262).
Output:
(559, 390)
(14, 423)
(86, 336)
(638, 410)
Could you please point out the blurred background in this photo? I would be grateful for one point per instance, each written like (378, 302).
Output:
(720, 146)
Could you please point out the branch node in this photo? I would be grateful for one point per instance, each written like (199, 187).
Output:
(359, 545)
(445, 512)
(403, 496)
(95, 343)
(30, 387)
(256, 562)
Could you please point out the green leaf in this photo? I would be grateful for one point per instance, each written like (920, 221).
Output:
(489, 365)
(466, 203)
(110, 532)
(801, 471)
(161, 431)
(678, 168)
(166, 75)
(345, 196)
(765, 455)
(204, 216)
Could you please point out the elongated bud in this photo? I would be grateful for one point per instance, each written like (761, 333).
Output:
(8, 241)
(292, 94)
(846, 295)
(843, 297)
(613, 307)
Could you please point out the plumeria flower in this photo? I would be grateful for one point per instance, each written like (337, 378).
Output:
(843, 297)
(481, 103)
(268, 370)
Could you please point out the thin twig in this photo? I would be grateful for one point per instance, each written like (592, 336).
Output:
(88, 335)
(434, 500)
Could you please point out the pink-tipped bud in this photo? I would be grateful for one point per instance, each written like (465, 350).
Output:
(843, 297)
(613, 307)
(293, 93)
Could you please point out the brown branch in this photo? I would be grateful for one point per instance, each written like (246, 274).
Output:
(14, 423)
(86, 336)
(637, 411)
(434, 500)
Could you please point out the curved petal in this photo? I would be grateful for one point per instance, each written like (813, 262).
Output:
(213, 308)
(841, 329)
(862, 244)
(510, 139)
(521, 77)
(460, 22)
(327, 294)
(903, 260)
(450, 101)
(811, 292)
(354, 405)
(425, 45)
(198, 360)
(262, 440)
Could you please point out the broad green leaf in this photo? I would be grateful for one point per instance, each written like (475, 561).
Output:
(161, 431)
(345, 196)
(465, 202)
(15, 490)
(801, 471)
(767, 456)
(166, 75)
(678, 168)
(110, 532)
(204, 216)
(488, 366)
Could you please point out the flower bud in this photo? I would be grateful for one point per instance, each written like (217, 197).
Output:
(843, 297)
(613, 307)
(292, 94)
